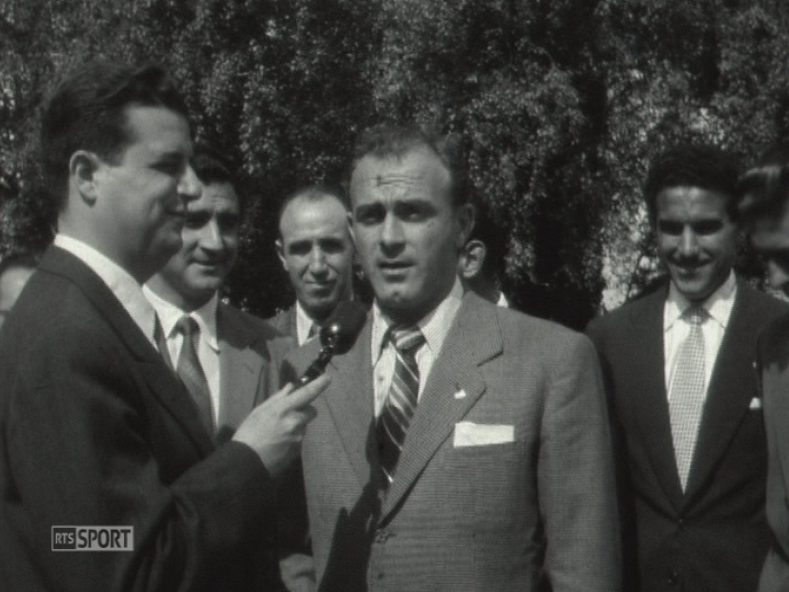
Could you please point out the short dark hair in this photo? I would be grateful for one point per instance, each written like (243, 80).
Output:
(212, 167)
(693, 165)
(313, 193)
(389, 140)
(765, 187)
(27, 260)
(87, 112)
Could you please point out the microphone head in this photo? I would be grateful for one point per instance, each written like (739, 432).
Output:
(343, 325)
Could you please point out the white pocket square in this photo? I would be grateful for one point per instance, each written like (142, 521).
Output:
(756, 403)
(461, 394)
(474, 434)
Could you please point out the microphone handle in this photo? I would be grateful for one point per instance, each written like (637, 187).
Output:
(317, 367)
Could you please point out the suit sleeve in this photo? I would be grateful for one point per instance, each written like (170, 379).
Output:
(78, 451)
(576, 476)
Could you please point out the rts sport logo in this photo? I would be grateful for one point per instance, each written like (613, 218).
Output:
(92, 538)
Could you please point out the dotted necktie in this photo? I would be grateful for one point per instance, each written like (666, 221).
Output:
(402, 399)
(687, 392)
(191, 372)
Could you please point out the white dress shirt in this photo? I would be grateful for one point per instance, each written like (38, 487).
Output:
(208, 344)
(118, 280)
(303, 324)
(434, 327)
(676, 328)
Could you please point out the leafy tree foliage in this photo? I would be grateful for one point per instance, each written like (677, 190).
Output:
(561, 105)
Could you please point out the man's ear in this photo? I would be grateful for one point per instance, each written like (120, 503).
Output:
(281, 253)
(465, 215)
(82, 172)
(472, 258)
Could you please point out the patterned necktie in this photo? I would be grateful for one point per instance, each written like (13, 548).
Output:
(687, 392)
(402, 399)
(191, 372)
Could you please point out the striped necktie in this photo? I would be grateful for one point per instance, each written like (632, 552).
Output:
(401, 402)
(687, 392)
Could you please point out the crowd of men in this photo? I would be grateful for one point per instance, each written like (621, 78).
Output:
(452, 445)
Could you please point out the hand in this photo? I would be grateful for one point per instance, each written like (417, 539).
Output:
(275, 428)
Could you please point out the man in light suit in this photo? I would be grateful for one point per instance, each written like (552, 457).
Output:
(460, 446)
(678, 364)
(15, 270)
(764, 205)
(95, 429)
(239, 353)
(316, 251)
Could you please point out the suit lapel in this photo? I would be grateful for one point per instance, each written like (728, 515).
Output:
(474, 338)
(239, 368)
(351, 406)
(162, 382)
(776, 402)
(650, 401)
(729, 392)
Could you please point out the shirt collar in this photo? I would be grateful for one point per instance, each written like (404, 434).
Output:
(434, 326)
(718, 305)
(303, 323)
(169, 314)
(118, 280)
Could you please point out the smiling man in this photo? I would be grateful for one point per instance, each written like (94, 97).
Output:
(316, 251)
(678, 364)
(462, 446)
(97, 434)
(235, 350)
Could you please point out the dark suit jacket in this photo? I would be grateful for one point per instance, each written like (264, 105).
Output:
(714, 536)
(773, 355)
(512, 511)
(96, 430)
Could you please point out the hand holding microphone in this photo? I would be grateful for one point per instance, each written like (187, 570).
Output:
(336, 336)
(275, 428)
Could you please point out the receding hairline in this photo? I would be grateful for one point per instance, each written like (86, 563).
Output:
(314, 195)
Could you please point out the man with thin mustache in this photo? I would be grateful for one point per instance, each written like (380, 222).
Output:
(678, 365)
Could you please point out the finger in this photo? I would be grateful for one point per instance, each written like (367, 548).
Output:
(306, 394)
(283, 392)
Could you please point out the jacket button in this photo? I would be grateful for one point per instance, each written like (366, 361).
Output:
(673, 578)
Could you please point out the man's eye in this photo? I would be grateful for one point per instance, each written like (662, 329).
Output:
(298, 249)
(672, 228)
(707, 227)
(369, 216)
(172, 168)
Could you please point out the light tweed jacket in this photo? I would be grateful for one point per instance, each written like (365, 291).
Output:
(513, 508)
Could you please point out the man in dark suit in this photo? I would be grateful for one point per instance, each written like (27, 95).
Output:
(460, 446)
(316, 251)
(96, 430)
(678, 367)
(764, 205)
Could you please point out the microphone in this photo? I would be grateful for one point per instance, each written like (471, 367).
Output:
(336, 336)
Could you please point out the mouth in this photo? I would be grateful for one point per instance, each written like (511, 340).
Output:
(690, 268)
(394, 269)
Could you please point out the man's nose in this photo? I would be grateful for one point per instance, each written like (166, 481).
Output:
(189, 186)
(688, 243)
(392, 231)
(211, 236)
(317, 261)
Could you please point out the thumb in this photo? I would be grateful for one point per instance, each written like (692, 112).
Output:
(309, 392)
